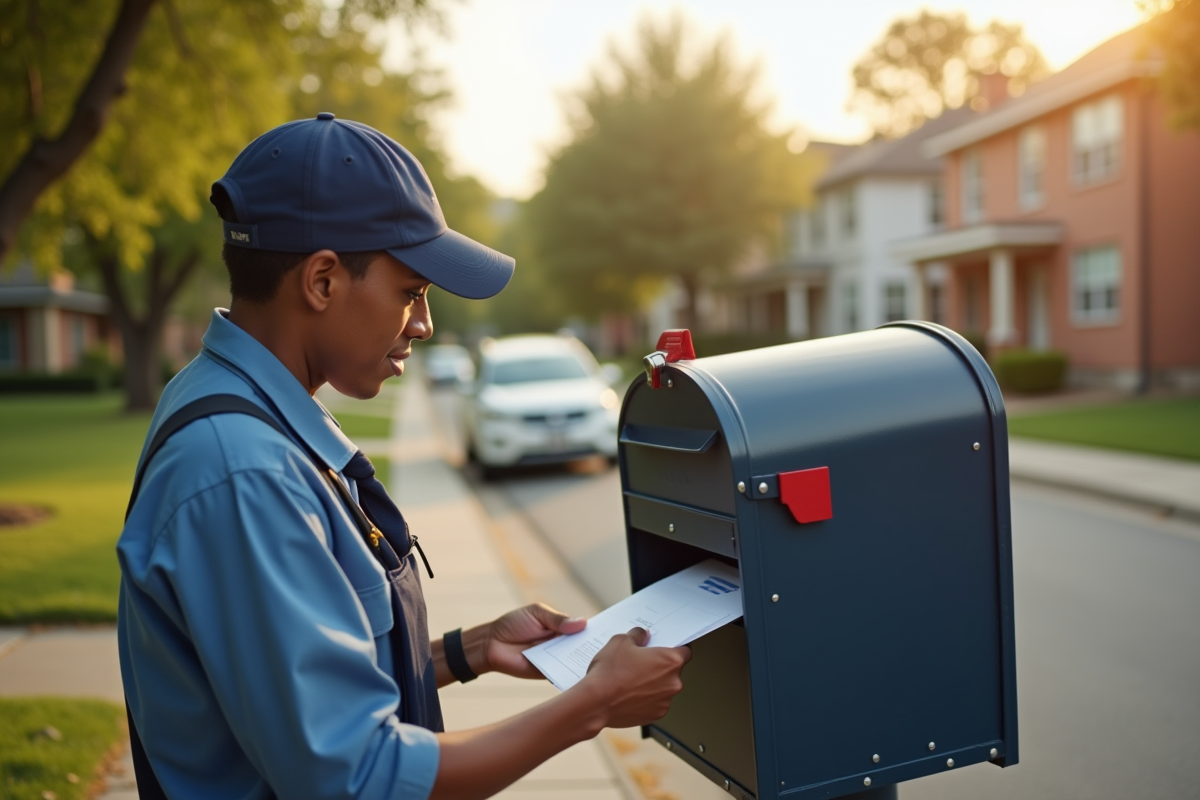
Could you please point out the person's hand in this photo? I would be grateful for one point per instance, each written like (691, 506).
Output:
(519, 630)
(636, 682)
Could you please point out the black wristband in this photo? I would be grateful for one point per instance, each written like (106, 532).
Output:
(456, 656)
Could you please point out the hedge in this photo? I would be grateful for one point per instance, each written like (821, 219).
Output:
(1030, 371)
(65, 383)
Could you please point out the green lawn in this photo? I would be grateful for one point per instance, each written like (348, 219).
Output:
(32, 763)
(1159, 427)
(76, 455)
(364, 426)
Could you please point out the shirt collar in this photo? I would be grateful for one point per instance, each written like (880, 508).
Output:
(240, 352)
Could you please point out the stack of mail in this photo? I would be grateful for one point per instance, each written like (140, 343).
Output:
(675, 610)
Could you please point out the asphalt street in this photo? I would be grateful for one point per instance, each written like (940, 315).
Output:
(1108, 634)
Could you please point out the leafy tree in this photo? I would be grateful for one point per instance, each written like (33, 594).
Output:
(933, 61)
(671, 172)
(125, 170)
(1175, 31)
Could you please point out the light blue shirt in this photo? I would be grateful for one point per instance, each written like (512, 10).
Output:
(253, 620)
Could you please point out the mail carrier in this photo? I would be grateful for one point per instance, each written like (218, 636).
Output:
(859, 484)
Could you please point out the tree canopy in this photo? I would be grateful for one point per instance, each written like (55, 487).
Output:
(671, 171)
(1175, 31)
(932, 61)
(203, 78)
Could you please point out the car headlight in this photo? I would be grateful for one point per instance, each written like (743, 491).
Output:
(493, 414)
(609, 399)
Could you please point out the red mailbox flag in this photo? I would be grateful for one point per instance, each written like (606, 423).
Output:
(806, 493)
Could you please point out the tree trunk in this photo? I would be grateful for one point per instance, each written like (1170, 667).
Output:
(691, 287)
(143, 354)
(141, 334)
(47, 160)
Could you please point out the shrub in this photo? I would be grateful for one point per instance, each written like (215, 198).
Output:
(64, 383)
(977, 340)
(708, 344)
(1030, 371)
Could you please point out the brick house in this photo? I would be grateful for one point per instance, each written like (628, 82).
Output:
(47, 325)
(1072, 223)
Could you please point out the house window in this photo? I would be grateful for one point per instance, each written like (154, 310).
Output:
(973, 313)
(10, 345)
(972, 187)
(894, 306)
(78, 338)
(1096, 285)
(849, 214)
(937, 205)
(850, 305)
(1096, 133)
(937, 303)
(1031, 167)
(818, 224)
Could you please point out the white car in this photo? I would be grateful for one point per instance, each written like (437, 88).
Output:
(448, 364)
(539, 400)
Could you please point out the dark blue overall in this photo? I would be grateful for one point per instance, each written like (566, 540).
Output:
(412, 661)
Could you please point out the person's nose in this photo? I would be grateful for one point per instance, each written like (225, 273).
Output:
(420, 324)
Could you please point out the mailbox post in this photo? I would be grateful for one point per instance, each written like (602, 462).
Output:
(859, 484)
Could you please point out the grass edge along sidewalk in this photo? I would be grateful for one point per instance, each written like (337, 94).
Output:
(75, 455)
(57, 746)
(1159, 427)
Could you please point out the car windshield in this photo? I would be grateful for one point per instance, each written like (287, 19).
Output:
(546, 368)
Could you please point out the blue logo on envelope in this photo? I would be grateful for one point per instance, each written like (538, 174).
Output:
(717, 585)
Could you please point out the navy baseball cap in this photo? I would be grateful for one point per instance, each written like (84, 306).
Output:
(330, 183)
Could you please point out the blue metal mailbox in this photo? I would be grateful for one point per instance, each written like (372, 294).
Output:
(860, 485)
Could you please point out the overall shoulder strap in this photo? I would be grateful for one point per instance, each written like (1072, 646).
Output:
(148, 786)
(198, 409)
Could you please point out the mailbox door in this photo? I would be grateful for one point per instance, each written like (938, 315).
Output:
(676, 473)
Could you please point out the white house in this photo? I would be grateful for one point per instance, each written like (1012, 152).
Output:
(878, 193)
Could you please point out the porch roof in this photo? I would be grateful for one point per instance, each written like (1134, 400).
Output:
(48, 297)
(978, 239)
(809, 271)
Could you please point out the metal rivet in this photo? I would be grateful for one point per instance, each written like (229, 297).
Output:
(762, 487)
(866, 781)
(669, 746)
(742, 487)
(875, 758)
(774, 598)
(993, 752)
(670, 383)
(671, 527)
(727, 784)
(949, 762)
(783, 783)
(700, 748)
(975, 446)
(932, 745)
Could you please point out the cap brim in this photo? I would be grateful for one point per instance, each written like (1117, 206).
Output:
(459, 265)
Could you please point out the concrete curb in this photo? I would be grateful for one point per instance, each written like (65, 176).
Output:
(1167, 486)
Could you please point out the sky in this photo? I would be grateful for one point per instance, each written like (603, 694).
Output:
(510, 63)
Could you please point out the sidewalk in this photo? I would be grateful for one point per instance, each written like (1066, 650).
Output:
(1169, 485)
(482, 571)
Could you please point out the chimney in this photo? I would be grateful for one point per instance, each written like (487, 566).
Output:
(993, 90)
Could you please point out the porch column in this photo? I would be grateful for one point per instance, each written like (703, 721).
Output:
(1000, 275)
(797, 310)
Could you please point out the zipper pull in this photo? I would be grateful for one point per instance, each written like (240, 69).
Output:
(417, 545)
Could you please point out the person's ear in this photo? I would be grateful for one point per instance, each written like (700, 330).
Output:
(318, 275)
